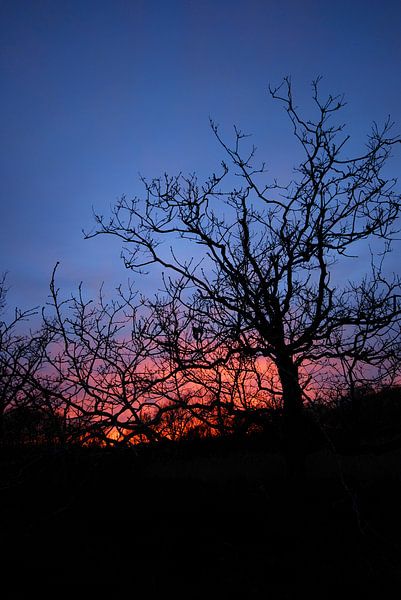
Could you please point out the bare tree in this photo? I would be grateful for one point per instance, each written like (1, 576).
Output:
(21, 358)
(264, 286)
(110, 367)
(129, 370)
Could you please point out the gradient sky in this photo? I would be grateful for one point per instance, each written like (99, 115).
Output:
(93, 93)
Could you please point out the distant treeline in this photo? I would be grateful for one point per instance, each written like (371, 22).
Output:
(374, 425)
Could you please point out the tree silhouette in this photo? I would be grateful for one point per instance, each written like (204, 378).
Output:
(21, 358)
(115, 369)
(264, 286)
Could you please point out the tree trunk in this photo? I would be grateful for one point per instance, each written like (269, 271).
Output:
(355, 398)
(294, 434)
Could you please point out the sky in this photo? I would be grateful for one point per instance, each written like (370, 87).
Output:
(94, 93)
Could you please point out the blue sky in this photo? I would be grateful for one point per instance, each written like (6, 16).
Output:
(94, 93)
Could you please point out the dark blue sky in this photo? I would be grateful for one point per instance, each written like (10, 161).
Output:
(94, 92)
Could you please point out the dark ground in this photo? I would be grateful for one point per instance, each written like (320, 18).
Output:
(199, 520)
